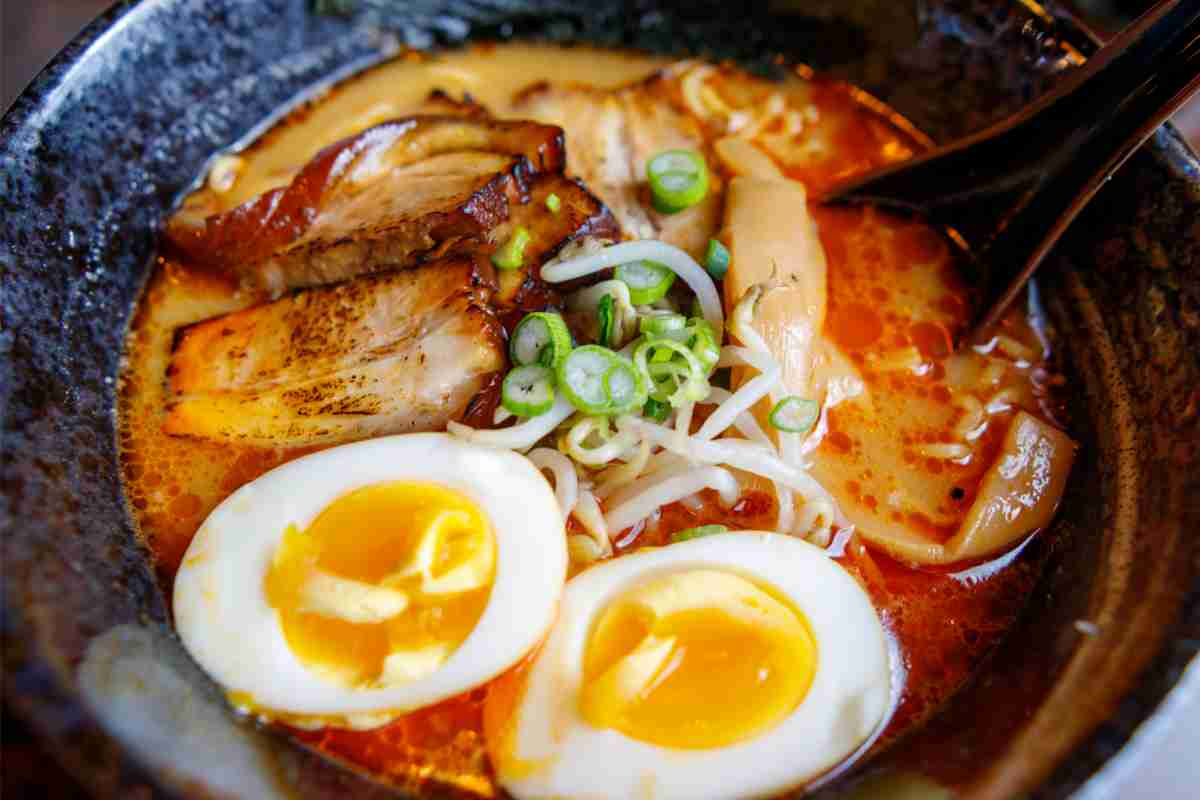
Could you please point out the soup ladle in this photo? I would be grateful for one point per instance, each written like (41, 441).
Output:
(1013, 188)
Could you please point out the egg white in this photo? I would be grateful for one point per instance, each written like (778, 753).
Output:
(555, 752)
(226, 623)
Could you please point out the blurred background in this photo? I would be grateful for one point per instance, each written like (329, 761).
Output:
(31, 32)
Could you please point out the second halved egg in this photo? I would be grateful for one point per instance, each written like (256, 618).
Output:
(736, 665)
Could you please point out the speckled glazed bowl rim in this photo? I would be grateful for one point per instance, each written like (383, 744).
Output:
(53, 705)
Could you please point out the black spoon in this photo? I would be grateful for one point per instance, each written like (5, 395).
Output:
(1015, 187)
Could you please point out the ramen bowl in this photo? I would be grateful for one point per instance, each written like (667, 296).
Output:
(116, 130)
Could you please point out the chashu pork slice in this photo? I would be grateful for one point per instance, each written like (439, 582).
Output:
(391, 353)
(397, 194)
(277, 157)
(580, 215)
(612, 134)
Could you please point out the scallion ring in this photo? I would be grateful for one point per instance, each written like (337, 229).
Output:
(704, 342)
(625, 387)
(696, 533)
(583, 377)
(699, 326)
(661, 356)
(540, 338)
(663, 324)
(666, 379)
(678, 179)
(684, 371)
(607, 317)
(794, 414)
(716, 259)
(528, 391)
(656, 410)
(648, 282)
(511, 254)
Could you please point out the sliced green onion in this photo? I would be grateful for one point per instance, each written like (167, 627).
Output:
(660, 324)
(794, 414)
(607, 316)
(656, 410)
(662, 355)
(678, 179)
(704, 342)
(699, 326)
(716, 259)
(581, 376)
(553, 203)
(624, 316)
(648, 282)
(598, 381)
(540, 338)
(666, 379)
(511, 254)
(708, 354)
(625, 387)
(676, 381)
(528, 391)
(696, 533)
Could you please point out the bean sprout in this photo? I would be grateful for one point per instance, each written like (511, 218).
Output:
(755, 353)
(566, 481)
(740, 402)
(669, 256)
(733, 356)
(673, 488)
(745, 422)
(683, 421)
(591, 519)
(625, 315)
(584, 550)
(521, 436)
(739, 454)
(741, 321)
(786, 520)
(622, 474)
(613, 447)
(660, 469)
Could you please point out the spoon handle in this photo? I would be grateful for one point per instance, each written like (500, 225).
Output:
(1156, 69)
(1016, 186)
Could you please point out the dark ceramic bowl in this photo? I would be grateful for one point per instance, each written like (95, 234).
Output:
(108, 138)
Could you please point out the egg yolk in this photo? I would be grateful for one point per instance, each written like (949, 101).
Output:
(384, 584)
(697, 659)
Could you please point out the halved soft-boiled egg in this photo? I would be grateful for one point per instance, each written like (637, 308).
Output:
(356, 584)
(736, 665)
